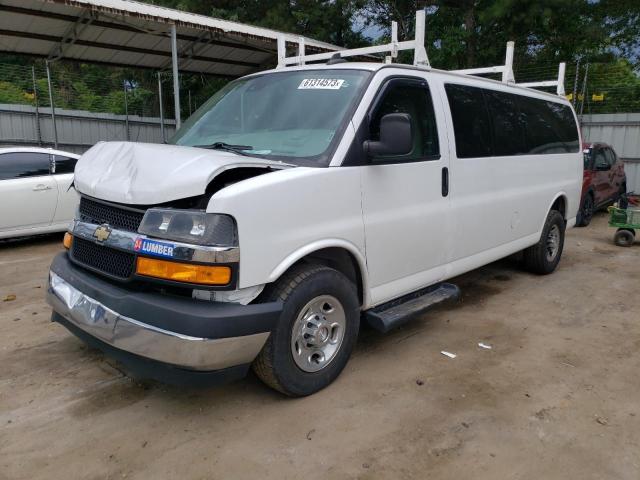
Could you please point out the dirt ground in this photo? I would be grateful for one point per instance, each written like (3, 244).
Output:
(557, 397)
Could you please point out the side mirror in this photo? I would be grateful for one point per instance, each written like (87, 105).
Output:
(396, 136)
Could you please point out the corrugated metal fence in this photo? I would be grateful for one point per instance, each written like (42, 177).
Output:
(77, 130)
(622, 131)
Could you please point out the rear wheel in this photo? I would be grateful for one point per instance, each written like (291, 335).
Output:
(624, 237)
(586, 211)
(543, 257)
(316, 333)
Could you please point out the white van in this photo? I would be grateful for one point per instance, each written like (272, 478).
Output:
(299, 201)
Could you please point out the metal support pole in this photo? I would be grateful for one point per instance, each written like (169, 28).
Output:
(301, 50)
(190, 110)
(282, 51)
(36, 100)
(53, 108)
(420, 57)
(164, 138)
(507, 73)
(394, 40)
(575, 84)
(126, 112)
(560, 89)
(584, 89)
(176, 80)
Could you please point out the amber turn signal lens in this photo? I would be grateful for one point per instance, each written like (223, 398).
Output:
(67, 241)
(183, 272)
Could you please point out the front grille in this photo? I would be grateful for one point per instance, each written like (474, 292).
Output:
(104, 259)
(119, 218)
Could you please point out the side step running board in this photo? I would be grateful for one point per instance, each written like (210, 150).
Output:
(396, 312)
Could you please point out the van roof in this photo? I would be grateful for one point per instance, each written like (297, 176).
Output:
(373, 66)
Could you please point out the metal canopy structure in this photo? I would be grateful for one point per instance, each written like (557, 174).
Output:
(129, 33)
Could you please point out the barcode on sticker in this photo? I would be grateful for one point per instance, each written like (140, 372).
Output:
(321, 83)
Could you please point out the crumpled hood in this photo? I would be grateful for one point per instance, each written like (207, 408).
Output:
(148, 174)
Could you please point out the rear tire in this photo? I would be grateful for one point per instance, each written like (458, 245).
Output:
(624, 237)
(316, 333)
(543, 257)
(586, 211)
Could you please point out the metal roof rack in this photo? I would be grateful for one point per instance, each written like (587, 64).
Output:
(417, 45)
(420, 58)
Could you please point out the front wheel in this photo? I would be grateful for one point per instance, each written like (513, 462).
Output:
(316, 333)
(543, 257)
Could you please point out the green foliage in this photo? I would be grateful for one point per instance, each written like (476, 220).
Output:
(10, 93)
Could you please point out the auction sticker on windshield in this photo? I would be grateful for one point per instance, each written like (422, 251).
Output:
(321, 83)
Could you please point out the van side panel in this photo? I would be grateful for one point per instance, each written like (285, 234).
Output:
(500, 203)
(283, 215)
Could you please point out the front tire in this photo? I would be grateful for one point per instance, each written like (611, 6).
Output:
(543, 257)
(316, 333)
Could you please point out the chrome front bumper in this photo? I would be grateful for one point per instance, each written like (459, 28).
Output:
(134, 336)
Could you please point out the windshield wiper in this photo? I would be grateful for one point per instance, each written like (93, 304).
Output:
(239, 149)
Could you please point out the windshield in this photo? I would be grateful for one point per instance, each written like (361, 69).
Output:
(292, 116)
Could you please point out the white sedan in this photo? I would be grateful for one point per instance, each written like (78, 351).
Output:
(36, 193)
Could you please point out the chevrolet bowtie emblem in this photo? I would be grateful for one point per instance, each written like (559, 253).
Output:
(102, 233)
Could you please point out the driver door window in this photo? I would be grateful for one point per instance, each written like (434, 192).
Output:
(411, 97)
(600, 159)
(611, 159)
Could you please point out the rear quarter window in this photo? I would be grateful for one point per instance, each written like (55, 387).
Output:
(64, 164)
(550, 126)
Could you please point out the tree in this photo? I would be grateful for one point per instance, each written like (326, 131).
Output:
(471, 33)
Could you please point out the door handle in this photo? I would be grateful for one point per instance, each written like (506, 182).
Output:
(41, 187)
(445, 181)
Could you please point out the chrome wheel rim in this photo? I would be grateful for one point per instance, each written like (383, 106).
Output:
(318, 332)
(553, 243)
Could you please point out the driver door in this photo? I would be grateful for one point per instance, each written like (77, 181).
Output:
(601, 170)
(405, 203)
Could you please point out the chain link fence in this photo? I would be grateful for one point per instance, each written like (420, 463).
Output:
(138, 105)
(592, 87)
(105, 103)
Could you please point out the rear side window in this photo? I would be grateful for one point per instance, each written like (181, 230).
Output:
(508, 126)
(471, 124)
(64, 164)
(493, 123)
(23, 164)
(551, 127)
(412, 97)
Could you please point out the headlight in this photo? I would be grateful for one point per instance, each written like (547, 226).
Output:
(190, 226)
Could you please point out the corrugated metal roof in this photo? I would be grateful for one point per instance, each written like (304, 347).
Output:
(128, 33)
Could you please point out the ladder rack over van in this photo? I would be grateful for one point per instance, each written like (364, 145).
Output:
(420, 57)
